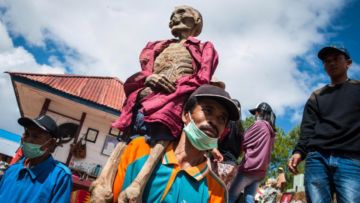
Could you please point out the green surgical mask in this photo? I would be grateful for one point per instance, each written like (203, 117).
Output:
(32, 150)
(198, 138)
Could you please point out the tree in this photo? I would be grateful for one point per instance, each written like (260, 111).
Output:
(248, 122)
(283, 147)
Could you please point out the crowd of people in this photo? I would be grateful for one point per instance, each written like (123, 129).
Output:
(186, 133)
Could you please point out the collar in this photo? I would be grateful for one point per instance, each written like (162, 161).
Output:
(189, 40)
(36, 170)
(333, 85)
(198, 172)
(193, 40)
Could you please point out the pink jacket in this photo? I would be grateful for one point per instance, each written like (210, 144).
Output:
(159, 106)
(257, 145)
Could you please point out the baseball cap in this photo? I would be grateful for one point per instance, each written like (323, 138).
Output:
(331, 49)
(220, 95)
(44, 122)
(262, 106)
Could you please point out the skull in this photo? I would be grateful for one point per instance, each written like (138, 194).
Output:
(185, 21)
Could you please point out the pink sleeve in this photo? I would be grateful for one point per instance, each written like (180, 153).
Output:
(137, 80)
(135, 83)
(208, 63)
(257, 144)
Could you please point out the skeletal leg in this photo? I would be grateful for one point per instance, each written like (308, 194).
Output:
(133, 193)
(101, 188)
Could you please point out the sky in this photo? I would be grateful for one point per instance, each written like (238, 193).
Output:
(267, 49)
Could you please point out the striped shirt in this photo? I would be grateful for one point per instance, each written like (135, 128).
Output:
(168, 182)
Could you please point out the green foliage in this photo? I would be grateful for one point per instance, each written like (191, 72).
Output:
(282, 151)
(248, 122)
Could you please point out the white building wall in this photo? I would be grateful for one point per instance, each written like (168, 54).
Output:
(94, 119)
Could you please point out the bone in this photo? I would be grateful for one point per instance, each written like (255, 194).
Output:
(101, 188)
(133, 193)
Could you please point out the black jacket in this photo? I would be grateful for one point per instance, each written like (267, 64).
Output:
(331, 120)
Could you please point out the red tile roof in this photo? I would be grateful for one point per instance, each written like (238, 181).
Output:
(106, 91)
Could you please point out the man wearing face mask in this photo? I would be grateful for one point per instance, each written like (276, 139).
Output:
(183, 175)
(37, 177)
(257, 146)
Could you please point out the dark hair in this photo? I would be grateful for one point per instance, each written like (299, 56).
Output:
(190, 104)
(269, 116)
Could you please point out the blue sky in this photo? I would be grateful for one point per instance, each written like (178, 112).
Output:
(344, 30)
(269, 57)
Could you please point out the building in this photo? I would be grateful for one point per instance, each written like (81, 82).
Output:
(84, 108)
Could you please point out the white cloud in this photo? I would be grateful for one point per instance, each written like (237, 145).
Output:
(257, 41)
(15, 60)
(5, 40)
(354, 69)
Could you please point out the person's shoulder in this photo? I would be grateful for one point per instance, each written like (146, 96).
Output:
(264, 126)
(138, 142)
(325, 88)
(151, 46)
(260, 124)
(319, 91)
(16, 166)
(13, 169)
(198, 42)
(18, 163)
(316, 93)
(354, 82)
(137, 148)
(62, 167)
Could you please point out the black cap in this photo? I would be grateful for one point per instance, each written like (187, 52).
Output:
(333, 49)
(263, 106)
(220, 95)
(44, 122)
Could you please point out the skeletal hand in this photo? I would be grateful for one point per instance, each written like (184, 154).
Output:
(159, 81)
(131, 194)
(100, 193)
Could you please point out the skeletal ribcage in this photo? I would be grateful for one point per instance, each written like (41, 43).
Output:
(173, 62)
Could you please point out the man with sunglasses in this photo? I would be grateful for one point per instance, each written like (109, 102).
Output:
(37, 177)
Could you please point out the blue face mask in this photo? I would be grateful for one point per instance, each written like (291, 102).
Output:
(198, 138)
(31, 150)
